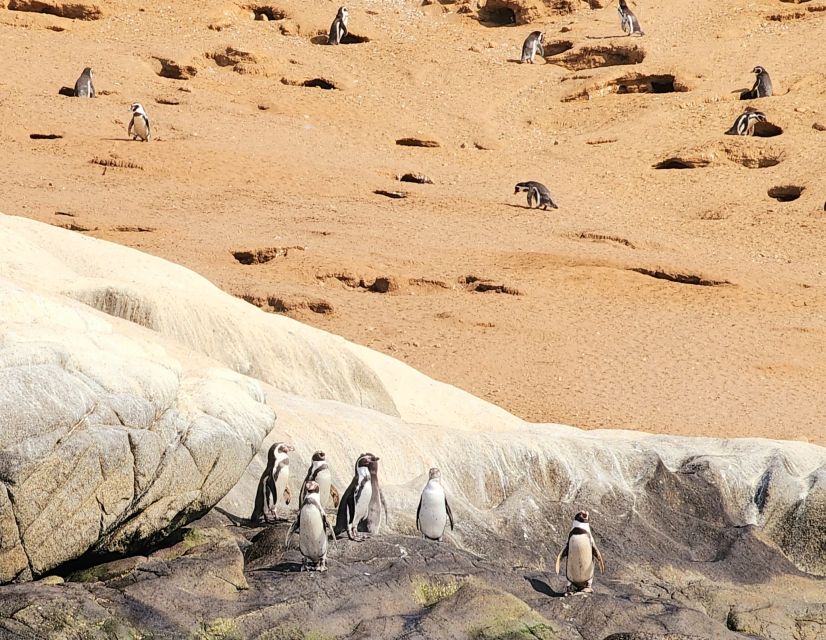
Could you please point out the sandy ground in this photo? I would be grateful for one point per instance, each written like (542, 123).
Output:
(245, 160)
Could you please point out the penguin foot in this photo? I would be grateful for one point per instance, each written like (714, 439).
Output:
(588, 590)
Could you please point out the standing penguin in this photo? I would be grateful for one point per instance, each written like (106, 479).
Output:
(538, 192)
(434, 510)
(628, 21)
(139, 123)
(580, 551)
(533, 44)
(273, 483)
(313, 527)
(355, 503)
(319, 472)
(762, 83)
(84, 87)
(339, 27)
(377, 503)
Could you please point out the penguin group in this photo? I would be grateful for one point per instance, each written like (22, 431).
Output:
(140, 129)
(361, 510)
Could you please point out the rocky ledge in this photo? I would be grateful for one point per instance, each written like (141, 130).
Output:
(134, 396)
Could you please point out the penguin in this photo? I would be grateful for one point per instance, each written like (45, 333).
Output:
(628, 21)
(140, 124)
(533, 43)
(536, 191)
(762, 83)
(355, 503)
(434, 511)
(744, 124)
(313, 528)
(580, 551)
(273, 482)
(84, 87)
(319, 472)
(339, 27)
(377, 503)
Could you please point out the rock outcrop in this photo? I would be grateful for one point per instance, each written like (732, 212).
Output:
(118, 368)
(108, 439)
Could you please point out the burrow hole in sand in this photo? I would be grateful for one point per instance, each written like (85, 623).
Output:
(786, 193)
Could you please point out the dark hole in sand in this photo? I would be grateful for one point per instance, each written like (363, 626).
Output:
(785, 193)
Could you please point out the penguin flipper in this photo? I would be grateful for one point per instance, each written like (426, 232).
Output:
(129, 130)
(348, 499)
(418, 512)
(328, 530)
(270, 491)
(562, 554)
(335, 496)
(293, 528)
(449, 514)
(384, 506)
(258, 507)
(598, 556)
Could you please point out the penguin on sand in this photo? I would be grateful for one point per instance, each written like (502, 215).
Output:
(139, 128)
(84, 88)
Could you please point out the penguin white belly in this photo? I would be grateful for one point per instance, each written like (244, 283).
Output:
(139, 128)
(362, 507)
(433, 515)
(580, 566)
(312, 540)
(324, 480)
(281, 484)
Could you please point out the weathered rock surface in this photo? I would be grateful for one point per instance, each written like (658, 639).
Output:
(107, 440)
(704, 538)
(398, 586)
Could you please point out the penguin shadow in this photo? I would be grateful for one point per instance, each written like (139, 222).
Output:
(284, 567)
(745, 94)
(540, 586)
(349, 38)
(241, 521)
(536, 61)
(518, 206)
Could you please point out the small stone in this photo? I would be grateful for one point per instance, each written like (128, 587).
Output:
(819, 126)
(476, 48)
(564, 29)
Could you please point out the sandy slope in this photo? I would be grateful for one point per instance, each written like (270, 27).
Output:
(244, 161)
